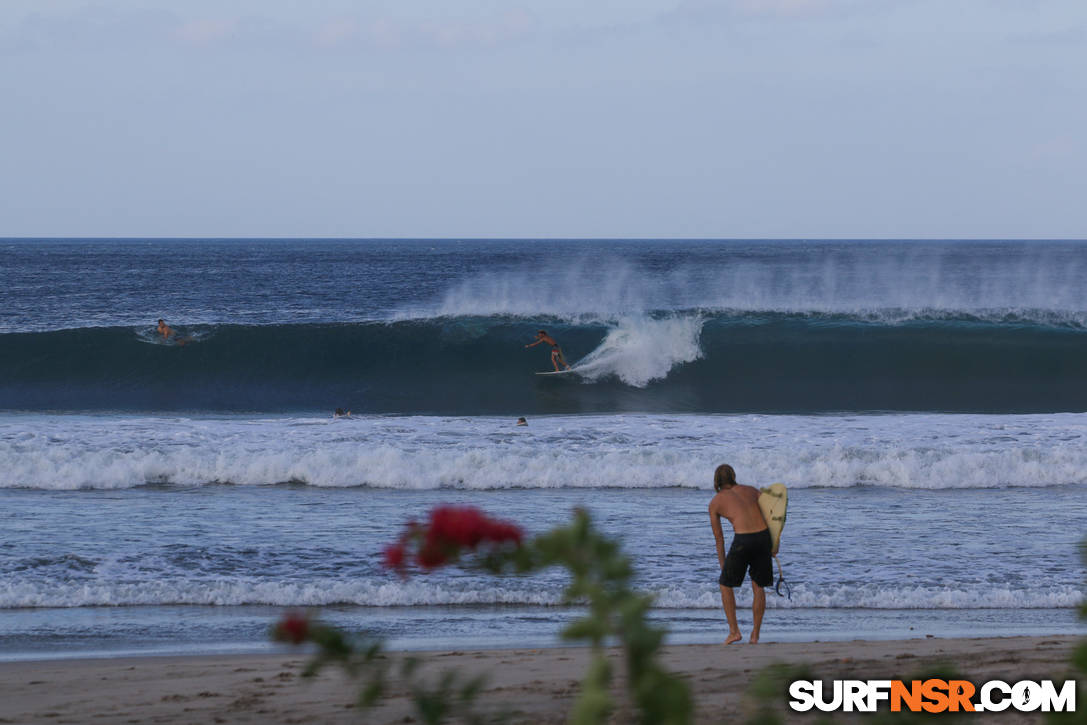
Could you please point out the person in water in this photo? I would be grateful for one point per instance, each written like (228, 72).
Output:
(750, 549)
(556, 351)
(169, 334)
(522, 421)
(341, 413)
(165, 330)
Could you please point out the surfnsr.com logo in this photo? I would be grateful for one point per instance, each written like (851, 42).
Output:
(932, 695)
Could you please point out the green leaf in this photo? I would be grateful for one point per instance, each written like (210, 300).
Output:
(371, 693)
(472, 688)
(594, 703)
(408, 666)
(591, 708)
(1079, 657)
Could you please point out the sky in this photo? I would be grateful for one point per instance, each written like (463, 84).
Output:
(510, 118)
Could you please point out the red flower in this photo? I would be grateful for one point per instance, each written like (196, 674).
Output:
(468, 527)
(463, 526)
(449, 530)
(394, 556)
(293, 628)
(499, 532)
(431, 556)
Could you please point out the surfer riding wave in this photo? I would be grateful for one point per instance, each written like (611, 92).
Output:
(556, 351)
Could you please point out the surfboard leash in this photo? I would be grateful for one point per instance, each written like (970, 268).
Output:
(781, 582)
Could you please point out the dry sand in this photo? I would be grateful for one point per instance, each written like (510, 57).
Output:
(536, 685)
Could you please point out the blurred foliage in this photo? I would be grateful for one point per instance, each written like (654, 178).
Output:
(435, 700)
(602, 581)
(601, 578)
(1079, 666)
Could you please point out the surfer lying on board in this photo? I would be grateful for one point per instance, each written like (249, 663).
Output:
(750, 547)
(169, 334)
(165, 330)
(556, 351)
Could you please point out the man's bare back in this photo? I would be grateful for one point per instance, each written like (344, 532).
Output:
(740, 505)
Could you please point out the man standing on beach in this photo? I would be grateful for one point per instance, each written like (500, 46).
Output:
(750, 549)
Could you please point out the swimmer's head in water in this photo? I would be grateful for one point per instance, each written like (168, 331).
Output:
(522, 421)
(162, 321)
(724, 477)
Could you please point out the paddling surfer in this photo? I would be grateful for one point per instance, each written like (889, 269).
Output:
(556, 351)
(170, 334)
(165, 330)
(750, 549)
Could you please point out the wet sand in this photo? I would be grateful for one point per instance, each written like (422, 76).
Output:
(533, 685)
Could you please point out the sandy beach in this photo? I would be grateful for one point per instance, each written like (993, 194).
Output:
(535, 685)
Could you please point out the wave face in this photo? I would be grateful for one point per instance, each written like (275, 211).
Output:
(676, 361)
(438, 327)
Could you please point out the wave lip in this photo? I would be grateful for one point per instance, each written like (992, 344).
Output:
(108, 283)
(820, 277)
(639, 351)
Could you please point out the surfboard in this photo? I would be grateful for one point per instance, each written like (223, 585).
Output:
(773, 500)
(558, 372)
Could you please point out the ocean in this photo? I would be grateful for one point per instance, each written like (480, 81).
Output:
(923, 400)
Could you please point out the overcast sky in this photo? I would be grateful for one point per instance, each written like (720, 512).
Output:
(510, 118)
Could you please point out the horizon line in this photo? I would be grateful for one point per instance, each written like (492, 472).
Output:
(535, 239)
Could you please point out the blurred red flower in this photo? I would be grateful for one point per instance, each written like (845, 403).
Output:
(394, 556)
(448, 530)
(431, 556)
(468, 527)
(293, 628)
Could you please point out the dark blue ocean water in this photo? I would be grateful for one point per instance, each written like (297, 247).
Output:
(439, 326)
(923, 401)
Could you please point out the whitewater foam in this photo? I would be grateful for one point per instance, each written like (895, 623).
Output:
(926, 451)
(433, 591)
(640, 350)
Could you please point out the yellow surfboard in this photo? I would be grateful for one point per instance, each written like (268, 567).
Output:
(773, 501)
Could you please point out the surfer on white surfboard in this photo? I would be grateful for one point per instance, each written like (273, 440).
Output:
(751, 548)
(556, 351)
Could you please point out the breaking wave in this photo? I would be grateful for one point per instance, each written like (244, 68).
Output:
(918, 451)
(676, 361)
(389, 592)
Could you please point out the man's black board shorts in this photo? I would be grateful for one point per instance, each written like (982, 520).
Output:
(748, 551)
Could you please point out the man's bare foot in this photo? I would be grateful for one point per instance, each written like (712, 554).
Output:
(734, 637)
(754, 639)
